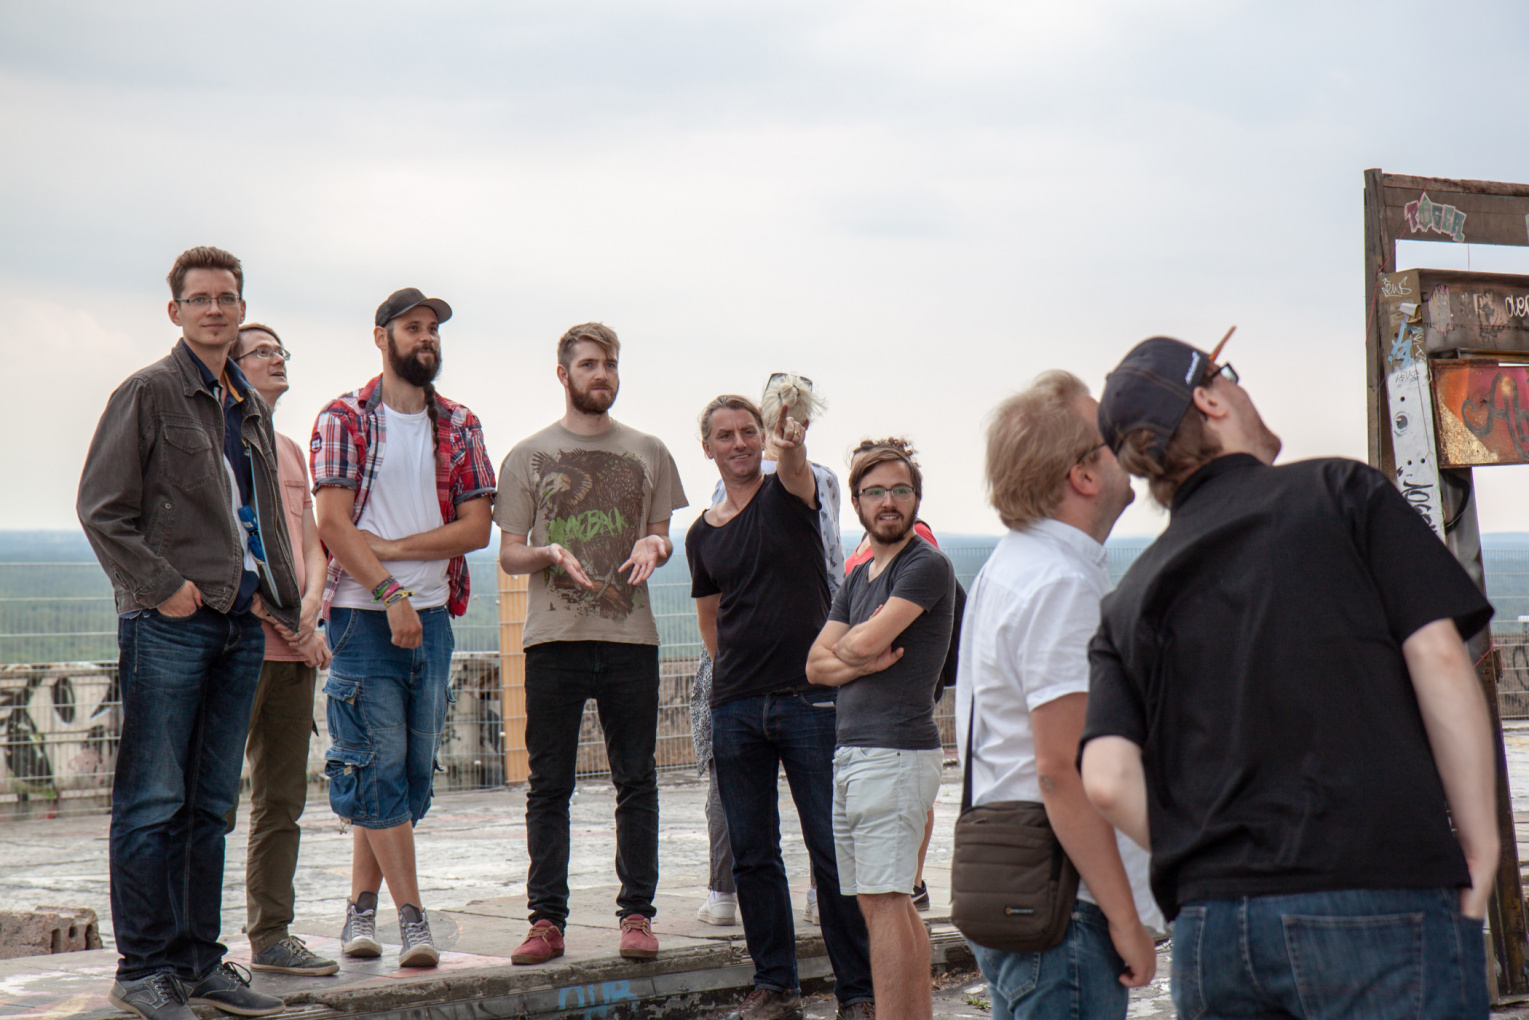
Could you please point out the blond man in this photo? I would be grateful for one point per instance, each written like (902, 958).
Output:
(1023, 687)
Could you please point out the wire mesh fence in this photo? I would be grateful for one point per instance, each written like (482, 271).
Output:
(60, 713)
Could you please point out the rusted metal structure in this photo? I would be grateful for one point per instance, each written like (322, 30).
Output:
(1446, 356)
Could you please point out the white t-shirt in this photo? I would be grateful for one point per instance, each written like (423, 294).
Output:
(402, 502)
(1024, 642)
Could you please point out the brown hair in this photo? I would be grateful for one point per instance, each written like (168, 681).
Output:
(1190, 447)
(731, 402)
(261, 327)
(872, 452)
(1033, 440)
(203, 257)
(593, 332)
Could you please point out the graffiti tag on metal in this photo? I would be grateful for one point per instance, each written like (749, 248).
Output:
(1482, 407)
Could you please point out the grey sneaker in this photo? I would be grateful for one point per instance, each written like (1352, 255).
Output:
(359, 936)
(768, 1004)
(856, 1011)
(291, 956)
(230, 991)
(156, 997)
(414, 931)
(921, 896)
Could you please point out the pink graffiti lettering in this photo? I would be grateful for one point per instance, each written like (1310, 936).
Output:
(1424, 216)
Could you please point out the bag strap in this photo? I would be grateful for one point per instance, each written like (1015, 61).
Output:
(966, 773)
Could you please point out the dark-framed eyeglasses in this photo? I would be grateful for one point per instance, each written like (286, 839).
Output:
(1089, 453)
(200, 302)
(1225, 371)
(786, 375)
(266, 353)
(877, 493)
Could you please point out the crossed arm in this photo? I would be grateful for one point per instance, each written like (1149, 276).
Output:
(843, 653)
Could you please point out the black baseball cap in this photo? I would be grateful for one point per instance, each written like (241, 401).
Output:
(401, 301)
(1152, 389)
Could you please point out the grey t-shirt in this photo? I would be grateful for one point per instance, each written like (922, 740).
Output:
(895, 707)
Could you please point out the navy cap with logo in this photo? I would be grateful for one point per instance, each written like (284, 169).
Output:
(401, 301)
(1152, 389)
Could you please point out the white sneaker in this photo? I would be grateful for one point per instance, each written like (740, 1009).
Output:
(719, 908)
(810, 915)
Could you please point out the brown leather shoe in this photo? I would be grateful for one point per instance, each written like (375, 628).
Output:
(543, 943)
(768, 1004)
(637, 941)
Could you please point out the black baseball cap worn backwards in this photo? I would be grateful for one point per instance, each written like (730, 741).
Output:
(1152, 388)
(401, 301)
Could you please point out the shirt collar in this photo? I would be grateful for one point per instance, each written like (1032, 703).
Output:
(233, 377)
(1075, 539)
(1213, 469)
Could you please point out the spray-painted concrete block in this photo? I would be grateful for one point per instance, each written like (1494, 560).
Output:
(47, 930)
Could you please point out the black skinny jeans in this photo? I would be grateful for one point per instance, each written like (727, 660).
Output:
(623, 679)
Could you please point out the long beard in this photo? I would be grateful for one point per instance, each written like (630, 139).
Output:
(589, 402)
(411, 369)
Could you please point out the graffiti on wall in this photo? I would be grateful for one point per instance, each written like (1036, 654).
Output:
(1483, 410)
(1425, 216)
(58, 729)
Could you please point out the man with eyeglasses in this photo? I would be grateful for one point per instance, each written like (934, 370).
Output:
(884, 647)
(1283, 708)
(282, 719)
(181, 500)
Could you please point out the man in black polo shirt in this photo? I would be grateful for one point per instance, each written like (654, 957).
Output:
(1281, 699)
(761, 591)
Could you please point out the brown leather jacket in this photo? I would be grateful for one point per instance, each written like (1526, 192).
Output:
(154, 495)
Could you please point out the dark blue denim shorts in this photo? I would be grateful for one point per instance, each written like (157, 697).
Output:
(386, 708)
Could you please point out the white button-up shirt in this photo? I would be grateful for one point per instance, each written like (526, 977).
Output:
(1024, 643)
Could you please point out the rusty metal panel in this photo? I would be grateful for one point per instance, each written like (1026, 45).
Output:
(1481, 407)
(1474, 311)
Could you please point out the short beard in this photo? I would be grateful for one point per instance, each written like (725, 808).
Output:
(411, 370)
(871, 527)
(587, 402)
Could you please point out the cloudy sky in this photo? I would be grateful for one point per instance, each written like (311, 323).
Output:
(919, 205)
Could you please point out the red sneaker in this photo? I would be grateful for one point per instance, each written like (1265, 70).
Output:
(542, 944)
(637, 941)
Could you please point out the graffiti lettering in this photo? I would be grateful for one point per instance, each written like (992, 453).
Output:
(1500, 404)
(1391, 288)
(1424, 216)
(1516, 306)
(595, 1000)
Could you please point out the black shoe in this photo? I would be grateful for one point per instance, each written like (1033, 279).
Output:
(768, 1004)
(856, 1011)
(156, 997)
(291, 956)
(921, 896)
(230, 991)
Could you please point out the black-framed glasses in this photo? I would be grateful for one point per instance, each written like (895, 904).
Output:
(877, 493)
(786, 375)
(1089, 453)
(266, 354)
(1225, 371)
(200, 302)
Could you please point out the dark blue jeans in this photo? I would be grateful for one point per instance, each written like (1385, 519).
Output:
(187, 687)
(1079, 978)
(1372, 953)
(751, 739)
(623, 679)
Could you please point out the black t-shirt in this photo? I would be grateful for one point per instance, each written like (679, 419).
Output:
(767, 564)
(895, 707)
(1254, 653)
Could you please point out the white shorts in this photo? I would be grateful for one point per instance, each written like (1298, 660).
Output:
(882, 798)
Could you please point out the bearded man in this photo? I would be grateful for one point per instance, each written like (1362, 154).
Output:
(584, 508)
(884, 645)
(401, 477)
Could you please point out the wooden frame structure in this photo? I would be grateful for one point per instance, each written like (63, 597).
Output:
(1398, 207)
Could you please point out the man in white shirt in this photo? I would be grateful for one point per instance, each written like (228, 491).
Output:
(403, 484)
(1024, 658)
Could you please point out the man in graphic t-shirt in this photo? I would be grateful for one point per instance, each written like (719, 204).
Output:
(403, 486)
(1282, 707)
(584, 508)
(884, 646)
(761, 591)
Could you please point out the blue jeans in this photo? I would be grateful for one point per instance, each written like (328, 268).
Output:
(751, 739)
(386, 708)
(1373, 953)
(1079, 978)
(623, 680)
(187, 687)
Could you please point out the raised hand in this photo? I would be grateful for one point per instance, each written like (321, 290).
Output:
(789, 433)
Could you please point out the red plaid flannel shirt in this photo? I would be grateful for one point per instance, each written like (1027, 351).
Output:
(348, 441)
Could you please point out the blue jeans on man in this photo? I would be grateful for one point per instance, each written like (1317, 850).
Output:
(751, 739)
(1373, 953)
(1078, 978)
(187, 687)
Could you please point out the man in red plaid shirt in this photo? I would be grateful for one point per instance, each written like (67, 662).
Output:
(403, 491)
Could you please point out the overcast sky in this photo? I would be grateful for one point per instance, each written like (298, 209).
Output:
(920, 206)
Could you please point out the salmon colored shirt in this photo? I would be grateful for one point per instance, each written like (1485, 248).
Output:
(292, 473)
